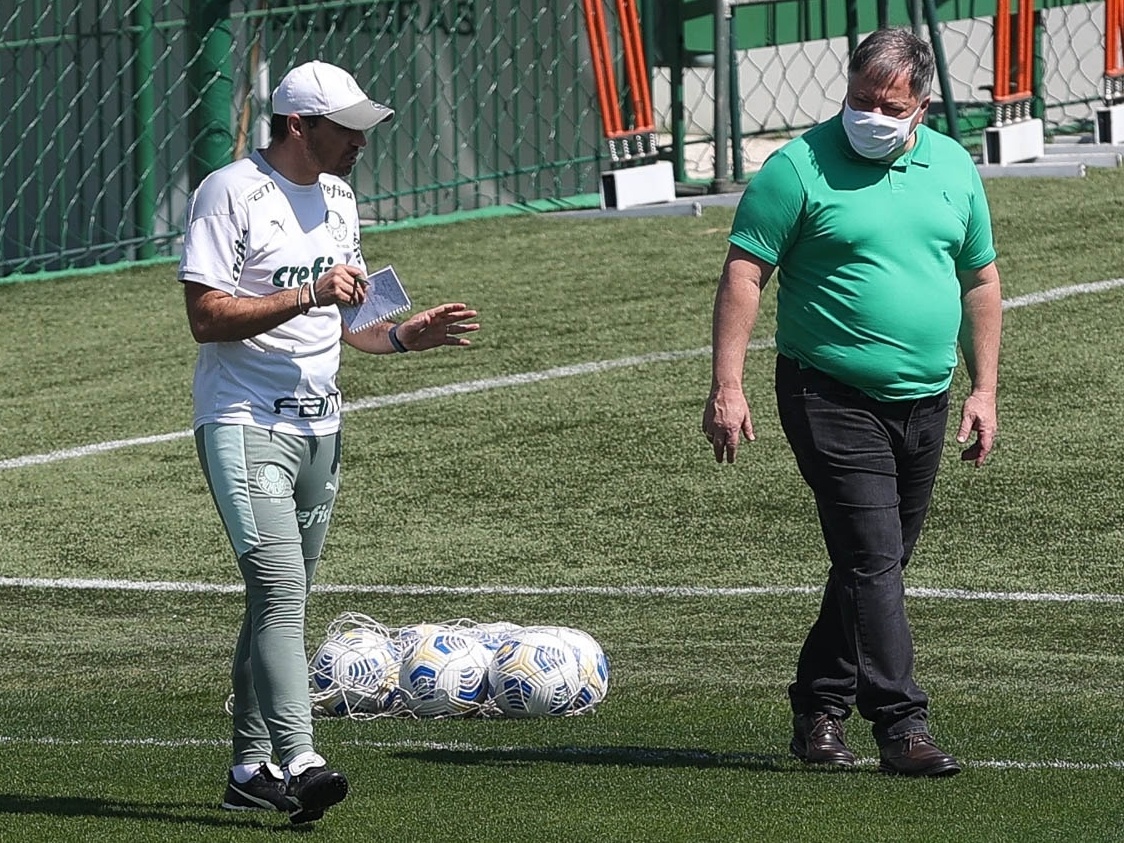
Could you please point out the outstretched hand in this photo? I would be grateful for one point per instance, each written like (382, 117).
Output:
(441, 325)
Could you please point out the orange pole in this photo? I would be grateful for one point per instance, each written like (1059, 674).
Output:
(1002, 34)
(641, 67)
(1109, 37)
(1119, 34)
(602, 62)
(1020, 49)
(634, 64)
(1114, 33)
(1026, 46)
(610, 73)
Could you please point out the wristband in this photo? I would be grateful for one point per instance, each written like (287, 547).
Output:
(392, 335)
(312, 295)
(300, 290)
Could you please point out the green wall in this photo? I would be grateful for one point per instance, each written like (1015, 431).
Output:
(773, 22)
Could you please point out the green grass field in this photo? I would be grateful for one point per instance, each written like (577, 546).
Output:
(580, 495)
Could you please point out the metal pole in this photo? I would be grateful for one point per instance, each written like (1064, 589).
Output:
(883, 7)
(671, 19)
(852, 27)
(678, 128)
(915, 17)
(210, 88)
(735, 106)
(144, 156)
(952, 116)
(648, 35)
(1038, 103)
(723, 11)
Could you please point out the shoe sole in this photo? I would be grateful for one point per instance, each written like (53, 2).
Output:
(940, 771)
(318, 799)
(250, 803)
(229, 806)
(835, 762)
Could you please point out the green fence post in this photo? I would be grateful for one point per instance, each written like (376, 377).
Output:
(648, 36)
(722, 10)
(852, 28)
(144, 107)
(883, 7)
(1038, 70)
(735, 96)
(675, 71)
(210, 88)
(952, 116)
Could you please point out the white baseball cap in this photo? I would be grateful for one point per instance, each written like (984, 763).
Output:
(317, 88)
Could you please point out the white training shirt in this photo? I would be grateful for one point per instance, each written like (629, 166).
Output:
(252, 232)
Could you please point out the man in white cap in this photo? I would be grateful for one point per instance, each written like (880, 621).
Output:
(272, 245)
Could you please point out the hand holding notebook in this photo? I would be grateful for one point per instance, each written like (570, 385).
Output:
(385, 299)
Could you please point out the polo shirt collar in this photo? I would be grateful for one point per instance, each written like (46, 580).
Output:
(922, 152)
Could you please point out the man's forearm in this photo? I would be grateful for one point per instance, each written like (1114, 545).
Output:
(980, 331)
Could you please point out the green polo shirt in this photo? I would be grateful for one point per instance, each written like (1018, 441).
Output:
(867, 255)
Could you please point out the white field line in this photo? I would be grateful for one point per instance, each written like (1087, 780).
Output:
(672, 591)
(548, 753)
(426, 394)
(522, 379)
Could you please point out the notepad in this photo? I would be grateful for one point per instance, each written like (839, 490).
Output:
(386, 298)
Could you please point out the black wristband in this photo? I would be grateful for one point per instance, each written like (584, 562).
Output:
(392, 335)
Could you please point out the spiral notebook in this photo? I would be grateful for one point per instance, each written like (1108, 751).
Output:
(386, 298)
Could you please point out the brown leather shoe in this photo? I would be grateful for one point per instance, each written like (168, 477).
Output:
(917, 755)
(818, 738)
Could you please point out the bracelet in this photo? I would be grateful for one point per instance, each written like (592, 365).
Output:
(392, 335)
(312, 295)
(300, 306)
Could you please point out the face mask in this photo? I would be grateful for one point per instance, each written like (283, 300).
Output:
(876, 135)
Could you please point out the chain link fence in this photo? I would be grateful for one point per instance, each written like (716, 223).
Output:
(786, 88)
(114, 109)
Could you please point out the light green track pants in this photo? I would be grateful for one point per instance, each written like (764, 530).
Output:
(274, 493)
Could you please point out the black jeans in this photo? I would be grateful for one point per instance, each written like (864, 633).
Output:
(871, 466)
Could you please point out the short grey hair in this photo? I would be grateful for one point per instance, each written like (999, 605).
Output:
(886, 54)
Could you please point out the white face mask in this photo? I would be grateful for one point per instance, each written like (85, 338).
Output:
(875, 135)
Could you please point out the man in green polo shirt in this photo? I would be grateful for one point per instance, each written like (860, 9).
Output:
(881, 237)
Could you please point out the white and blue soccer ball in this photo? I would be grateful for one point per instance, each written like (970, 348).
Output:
(355, 672)
(445, 674)
(493, 634)
(534, 673)
(593, 666)
(409, 636)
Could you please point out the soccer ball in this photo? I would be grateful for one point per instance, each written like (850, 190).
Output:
(355, 672)
(445, 674)
(534, 674)
(593, 666)
(492, 635)
(409, 636)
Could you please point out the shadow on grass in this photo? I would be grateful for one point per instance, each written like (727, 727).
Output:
(177, 813)
(625, 756)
